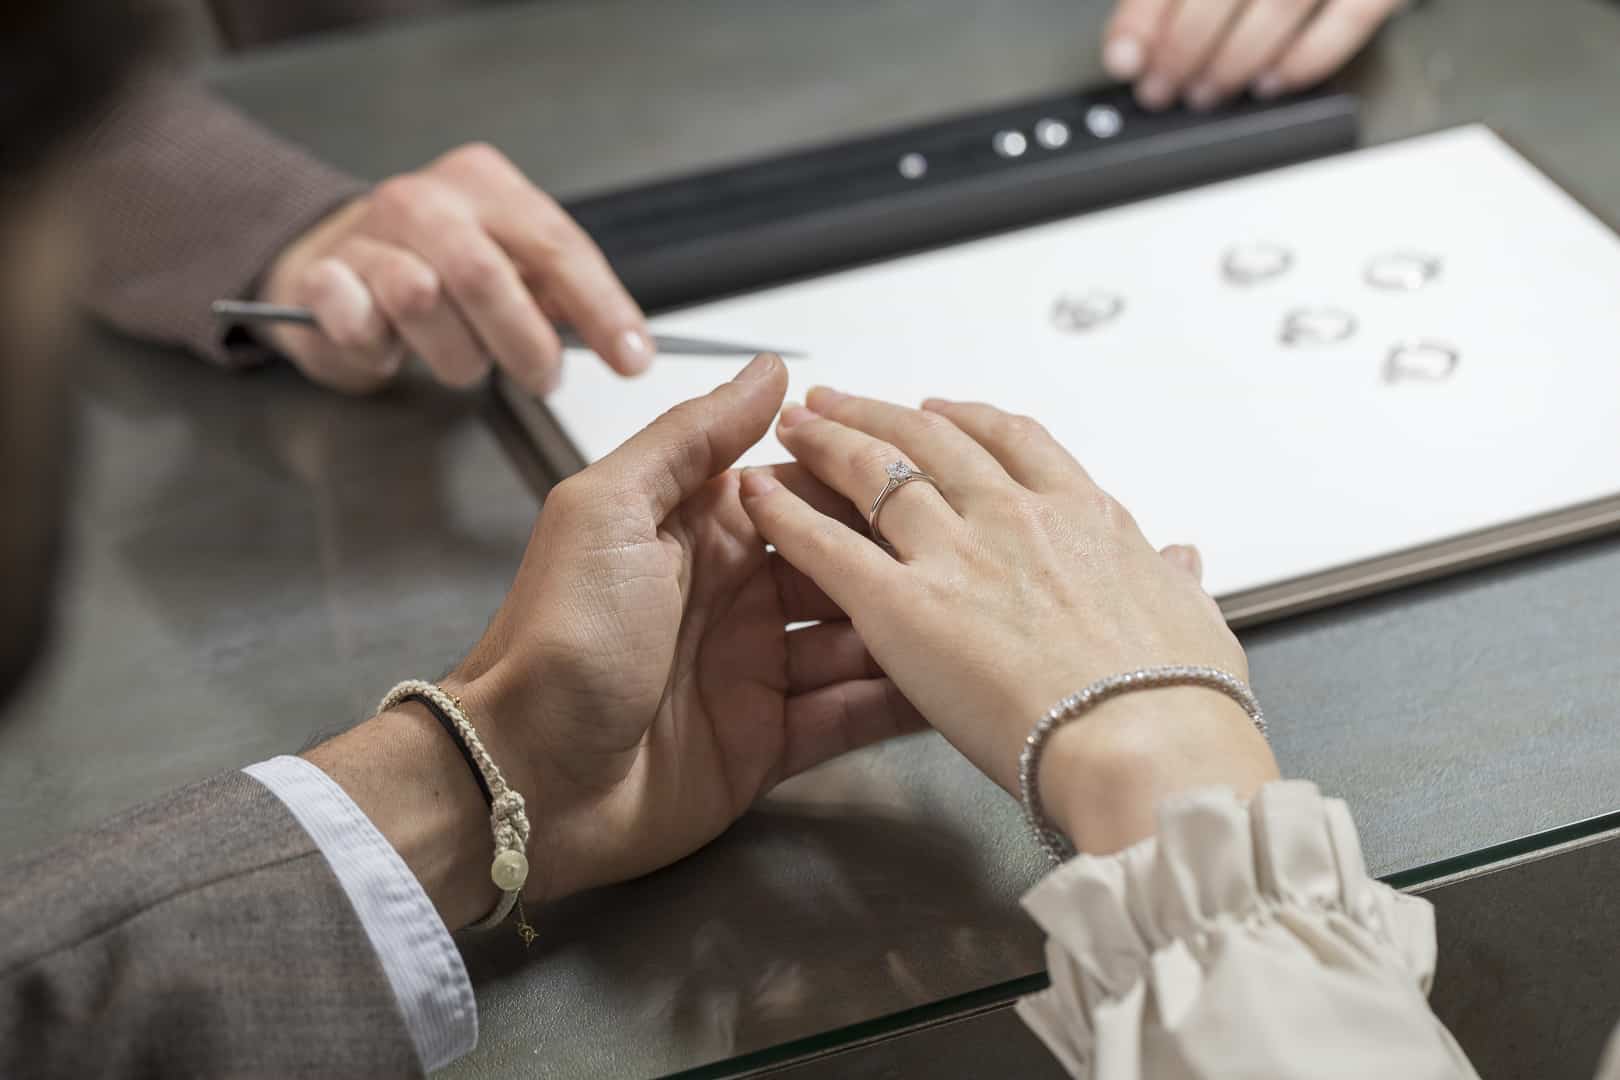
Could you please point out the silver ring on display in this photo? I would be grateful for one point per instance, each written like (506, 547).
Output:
(1316, 326)
(1402, 271)
(1250, 264)
(1078, 312)
(899, 474)
(1421, 360)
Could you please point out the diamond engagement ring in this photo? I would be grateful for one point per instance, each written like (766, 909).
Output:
(900, 474)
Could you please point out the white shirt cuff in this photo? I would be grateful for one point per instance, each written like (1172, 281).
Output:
(422, 963)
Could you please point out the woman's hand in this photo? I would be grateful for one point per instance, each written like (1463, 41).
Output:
(639, 686)
(1207, 51)
(1015, 583)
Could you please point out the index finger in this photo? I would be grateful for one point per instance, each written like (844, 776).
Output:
(554, 255)
(665, 462)
(574, 278)
(846, 565)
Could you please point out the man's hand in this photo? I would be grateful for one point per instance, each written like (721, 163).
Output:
(464, 263)
(639, 686)
(1207, 51)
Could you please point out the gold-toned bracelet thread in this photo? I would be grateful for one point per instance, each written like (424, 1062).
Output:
(508, 819)
(1052, 841)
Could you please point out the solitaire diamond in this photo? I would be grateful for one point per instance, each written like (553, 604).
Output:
(898, 471)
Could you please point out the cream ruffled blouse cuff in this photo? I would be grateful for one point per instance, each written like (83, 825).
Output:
(1241, 941)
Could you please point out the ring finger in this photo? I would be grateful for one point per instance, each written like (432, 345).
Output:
(855, 465)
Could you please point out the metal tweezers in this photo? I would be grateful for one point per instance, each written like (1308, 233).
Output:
(666, 344)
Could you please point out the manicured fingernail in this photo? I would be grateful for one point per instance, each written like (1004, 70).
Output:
(757, 482)
(824, 397)
(758, 368)
(1203, 97)
(635, 351)
(795, 414)
(935, 404)
(1195, 561)
(1155, 92)
(1123, 58)
(1267, 86)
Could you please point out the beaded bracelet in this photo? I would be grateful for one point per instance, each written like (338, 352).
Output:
(507, 818)
(1052, 841)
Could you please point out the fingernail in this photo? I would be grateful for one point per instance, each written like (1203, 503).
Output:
(1155, 92)
(935, 404)
(635, 351)
(758, 368)
(1268, 86)
(1123, 58)
(824, 397)
(1195, 562)
(1203, 97)
(757, 482)
(795, 414)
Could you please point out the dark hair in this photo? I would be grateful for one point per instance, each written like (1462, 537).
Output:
(61, 62)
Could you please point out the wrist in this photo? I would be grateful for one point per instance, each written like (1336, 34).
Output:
(502, 708)
(1104, 775)
(406, 776)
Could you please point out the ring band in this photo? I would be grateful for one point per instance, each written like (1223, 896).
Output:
(899, 475)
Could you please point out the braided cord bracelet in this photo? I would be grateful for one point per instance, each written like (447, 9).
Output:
(1071, 708)
(508, 820)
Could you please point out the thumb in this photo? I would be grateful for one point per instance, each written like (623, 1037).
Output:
(669, 459)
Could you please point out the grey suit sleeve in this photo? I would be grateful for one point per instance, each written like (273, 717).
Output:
(185, 201)
(200, 935)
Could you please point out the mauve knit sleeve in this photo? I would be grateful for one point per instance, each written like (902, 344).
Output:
(186, 200)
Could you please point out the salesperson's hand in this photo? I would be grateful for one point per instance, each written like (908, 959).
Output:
(465, 263)
(1206, 51)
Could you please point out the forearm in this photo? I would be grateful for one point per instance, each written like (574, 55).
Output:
(186, 201)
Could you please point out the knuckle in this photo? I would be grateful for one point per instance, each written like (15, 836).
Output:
(548, 247)
(1023, 430)
(871, 457)
(318, 287)
(350, 337)
(687, 449)
(404, 198)
(473, 273)
(1027, 510)
(928, 424)
(408, 292)
(570, 496)
(822, 541)
(1109, 512)
(476, 157)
